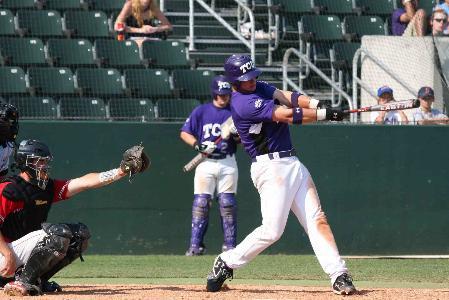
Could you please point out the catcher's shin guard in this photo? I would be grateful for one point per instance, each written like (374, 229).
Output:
(200, 219)
(228, 212)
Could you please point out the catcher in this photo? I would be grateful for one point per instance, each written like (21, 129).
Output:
(32, 251)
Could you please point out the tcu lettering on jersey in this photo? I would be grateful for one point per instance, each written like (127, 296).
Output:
(211, 129)
(247, 66)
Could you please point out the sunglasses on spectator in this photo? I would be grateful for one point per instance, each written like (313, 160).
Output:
(440, 20)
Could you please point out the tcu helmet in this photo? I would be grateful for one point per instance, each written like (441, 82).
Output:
(34, 157)
(240, 68)
(220, 86)
(9, 122)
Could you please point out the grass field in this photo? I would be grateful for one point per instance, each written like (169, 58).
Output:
(265, 269)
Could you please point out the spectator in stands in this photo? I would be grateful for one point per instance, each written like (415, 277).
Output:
(438, 22)
(396, 117)
(410, 20)
(444, 6)
(143, 20)
(425, 114)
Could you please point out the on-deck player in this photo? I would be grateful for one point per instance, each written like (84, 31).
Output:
(282, 181)
(217, 172)
(9, 127)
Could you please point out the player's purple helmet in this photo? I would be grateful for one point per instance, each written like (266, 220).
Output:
(240, 67)
(220, 86)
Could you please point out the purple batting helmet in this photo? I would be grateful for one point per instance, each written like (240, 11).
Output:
(220, 86)
(240, 67)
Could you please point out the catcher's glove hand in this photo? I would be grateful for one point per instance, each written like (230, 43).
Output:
(134, 161)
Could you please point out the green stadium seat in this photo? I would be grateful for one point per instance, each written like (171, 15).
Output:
(297, 7)
(148, 83)
(51, 81)
(62, 5)
(35, 107)
(376, 7)
(113, 53)
(175, 109)
(70, 52)
(364, 25)
(337, 7)
(99, 82)
(427, 5)
(20, 4)
(193, 83)
(131, 109)
(87, 24)
(7, 26)
(12, 81)
(108, 5)
(343, 53)
(42, 23)
(83, 108)
(22, 51)
(165, 54)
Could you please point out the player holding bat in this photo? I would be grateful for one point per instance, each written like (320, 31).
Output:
(203, 131)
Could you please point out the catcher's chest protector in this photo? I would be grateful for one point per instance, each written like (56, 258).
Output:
(37, 204)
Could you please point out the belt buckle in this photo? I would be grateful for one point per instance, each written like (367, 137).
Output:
(276, 155)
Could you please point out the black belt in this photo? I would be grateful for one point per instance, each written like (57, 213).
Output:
(219, 156)
(274, 155)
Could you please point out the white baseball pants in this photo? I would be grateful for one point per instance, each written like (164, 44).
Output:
(285, 184)
(221, 174)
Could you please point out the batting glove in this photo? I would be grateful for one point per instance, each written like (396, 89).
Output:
(206, 147)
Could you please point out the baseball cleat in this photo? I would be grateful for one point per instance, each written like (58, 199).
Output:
(196, 251)
(225, 248)
(220, 272)
(18, 288)
(50, 287)
(343, 285)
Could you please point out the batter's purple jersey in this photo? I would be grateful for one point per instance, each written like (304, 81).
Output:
(398, 27)
(204, 124)
(252, 115)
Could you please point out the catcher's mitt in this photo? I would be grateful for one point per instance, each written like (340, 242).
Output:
(134, 160)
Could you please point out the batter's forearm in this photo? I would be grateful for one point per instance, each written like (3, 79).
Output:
(188, 138)
(285, 98)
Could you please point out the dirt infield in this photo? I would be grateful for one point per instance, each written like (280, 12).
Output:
(235, 292)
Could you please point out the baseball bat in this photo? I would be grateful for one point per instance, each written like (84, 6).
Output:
(197, 159)
(399, 105)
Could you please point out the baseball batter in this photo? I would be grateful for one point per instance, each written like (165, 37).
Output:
(261, 114)
(218, 172)
(9, 127)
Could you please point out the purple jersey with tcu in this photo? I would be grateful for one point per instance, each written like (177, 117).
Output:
(252, 115)
(204, 124)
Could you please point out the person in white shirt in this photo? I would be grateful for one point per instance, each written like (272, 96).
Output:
(395, 117)
(425, 114)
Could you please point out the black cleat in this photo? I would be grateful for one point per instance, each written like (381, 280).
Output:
(196, 251)
(343, 285)
(220, 272)
(50, 287)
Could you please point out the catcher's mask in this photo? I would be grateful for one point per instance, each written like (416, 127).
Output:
(34, 157)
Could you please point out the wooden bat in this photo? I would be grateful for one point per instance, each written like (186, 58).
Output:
(395, 105)
(200, 157)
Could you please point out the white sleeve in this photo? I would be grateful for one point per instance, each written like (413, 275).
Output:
(373, 116)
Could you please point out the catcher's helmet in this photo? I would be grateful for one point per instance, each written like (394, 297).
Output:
(9, 122)
(240, 68)
(33, 157)
(220, 86)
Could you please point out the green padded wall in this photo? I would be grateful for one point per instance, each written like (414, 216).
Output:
(384, 188)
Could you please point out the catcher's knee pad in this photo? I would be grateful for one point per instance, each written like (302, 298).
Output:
(228, 204)
(228, 212)
(200, 219)
(201, 204)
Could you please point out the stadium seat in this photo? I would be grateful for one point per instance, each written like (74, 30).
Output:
(62, 5)
(364, 25)
(131, 109)
(12, 81)
(22, 51)
(108, 5)
(175, 109)
(193, 83)
(70, 52)
(165, 54)
(343, 53)
(113, 53)
(297, 7)
(51, 81)
(338, 7)
(376, 7)
(7, 26)
(99, 82)
(83, 108)
(148, 83)
(87, 24)
(42, 23)
(35, 107)
(20, 4)
(427, 5)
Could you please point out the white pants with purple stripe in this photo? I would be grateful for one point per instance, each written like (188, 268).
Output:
(285, 184)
